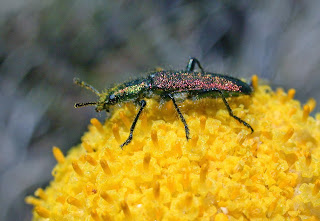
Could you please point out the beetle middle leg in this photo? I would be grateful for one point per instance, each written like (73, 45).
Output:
(191, 65)
(142, 103)
(231, 113)
(181, 116)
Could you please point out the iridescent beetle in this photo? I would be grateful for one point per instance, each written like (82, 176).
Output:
(167, 84)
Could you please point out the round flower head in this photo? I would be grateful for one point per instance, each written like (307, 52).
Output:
(224, 172)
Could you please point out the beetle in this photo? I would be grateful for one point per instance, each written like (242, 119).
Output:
(169, 84)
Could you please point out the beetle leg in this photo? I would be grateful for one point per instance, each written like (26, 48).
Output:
(181, 116)
(191, 64)
(231, 113)
(142, 103)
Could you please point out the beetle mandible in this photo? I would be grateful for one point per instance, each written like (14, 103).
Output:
(167, 84)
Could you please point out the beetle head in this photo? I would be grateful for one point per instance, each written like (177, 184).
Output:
(106, 102)
(100, 104)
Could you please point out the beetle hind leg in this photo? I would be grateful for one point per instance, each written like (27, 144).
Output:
(232, 115)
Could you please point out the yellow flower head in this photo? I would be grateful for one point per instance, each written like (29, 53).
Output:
(223, 173)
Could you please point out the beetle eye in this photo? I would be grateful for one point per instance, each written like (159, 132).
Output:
(112, 99)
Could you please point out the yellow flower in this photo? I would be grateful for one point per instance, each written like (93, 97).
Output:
(223, 173)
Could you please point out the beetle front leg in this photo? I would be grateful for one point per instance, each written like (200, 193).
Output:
(142, 103)
(181, 116)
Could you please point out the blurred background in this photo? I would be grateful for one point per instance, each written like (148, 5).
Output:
(45, 44)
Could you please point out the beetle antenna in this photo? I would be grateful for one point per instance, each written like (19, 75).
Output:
(85, 85)
(77, 105)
